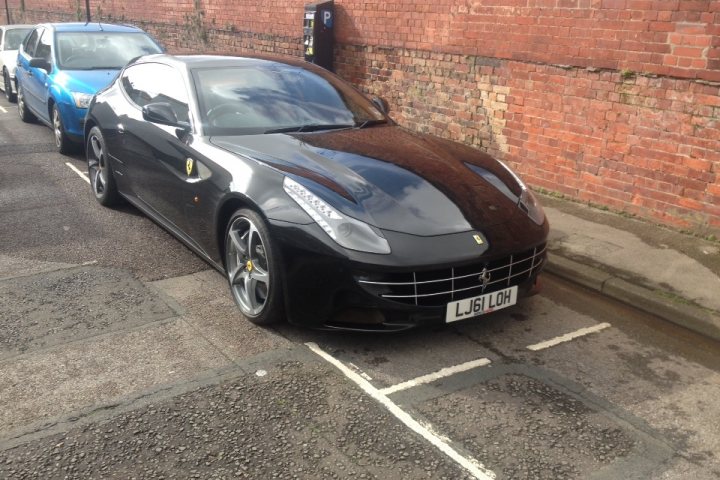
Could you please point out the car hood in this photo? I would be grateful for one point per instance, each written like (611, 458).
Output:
(391, 178)
(85, 81)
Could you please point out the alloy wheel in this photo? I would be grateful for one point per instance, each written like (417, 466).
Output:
(97, 166)
(57, 128)
(247, 266)
(21, 102)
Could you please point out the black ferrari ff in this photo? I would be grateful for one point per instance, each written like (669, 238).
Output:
(316, 206)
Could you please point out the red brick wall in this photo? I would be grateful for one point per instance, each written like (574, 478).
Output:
(614, 102)
(666, 37)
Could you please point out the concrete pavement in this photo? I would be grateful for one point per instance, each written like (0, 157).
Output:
(669, 274)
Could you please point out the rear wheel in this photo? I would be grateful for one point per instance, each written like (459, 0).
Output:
(62, 142)
(7, 85)
(25, 114)
(102, 181)
(252, 263)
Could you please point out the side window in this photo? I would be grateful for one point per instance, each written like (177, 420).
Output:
(31, 41)
(43, 47)
(155, 82)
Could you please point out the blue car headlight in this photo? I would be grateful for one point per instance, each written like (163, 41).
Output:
(82, 100)
(346, 231)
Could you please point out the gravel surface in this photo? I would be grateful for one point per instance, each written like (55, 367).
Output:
(295, 421)
(529, 430)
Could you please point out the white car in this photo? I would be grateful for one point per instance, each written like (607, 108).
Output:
(11, 36)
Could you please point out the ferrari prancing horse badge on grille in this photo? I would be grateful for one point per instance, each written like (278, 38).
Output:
(189, 166)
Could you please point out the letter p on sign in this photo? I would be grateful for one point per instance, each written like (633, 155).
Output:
(327, 18)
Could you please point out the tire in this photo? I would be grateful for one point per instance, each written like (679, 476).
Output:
(62, 142)
(253, 268)
(102, 180)
(25, 114)
(7, 85)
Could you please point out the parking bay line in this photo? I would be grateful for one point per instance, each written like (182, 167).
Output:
(431, 377)
(76, 170)
(2, 109)
(567, 337)
(469, 464)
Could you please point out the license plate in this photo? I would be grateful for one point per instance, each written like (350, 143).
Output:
(489, 302)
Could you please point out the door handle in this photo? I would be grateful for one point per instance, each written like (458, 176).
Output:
(28, 73)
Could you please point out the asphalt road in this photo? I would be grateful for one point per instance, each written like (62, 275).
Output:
(123, 356)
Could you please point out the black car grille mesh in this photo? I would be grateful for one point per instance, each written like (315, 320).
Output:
(440, 286)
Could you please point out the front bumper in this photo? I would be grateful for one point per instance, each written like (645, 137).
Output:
(324, 287)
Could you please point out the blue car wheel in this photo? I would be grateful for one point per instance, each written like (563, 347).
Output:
(62, 142)
(25, 114)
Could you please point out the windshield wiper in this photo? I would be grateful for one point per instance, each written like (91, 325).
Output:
(369, 123)
(312, 127)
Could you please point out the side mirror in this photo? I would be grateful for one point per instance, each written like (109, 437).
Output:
(381, 104)
(163, 113)
(40, 63)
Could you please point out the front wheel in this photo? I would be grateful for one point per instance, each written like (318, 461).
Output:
(253, 266)
(7, 85)
(25, 114)
(62, 142)
(102, 180)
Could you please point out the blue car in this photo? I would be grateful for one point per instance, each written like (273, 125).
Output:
(62, 65)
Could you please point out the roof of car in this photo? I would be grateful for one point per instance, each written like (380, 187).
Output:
(92, 27)
(15, 26)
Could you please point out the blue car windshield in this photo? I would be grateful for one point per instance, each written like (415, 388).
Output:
(269, 98)
(101, 50)
(14, 37)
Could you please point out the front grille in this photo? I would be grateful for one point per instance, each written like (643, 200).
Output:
(438, 287)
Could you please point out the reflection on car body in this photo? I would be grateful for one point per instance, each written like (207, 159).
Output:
(309, 198)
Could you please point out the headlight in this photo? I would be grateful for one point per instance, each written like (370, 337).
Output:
(531, 206)
(82, 100)
(346, 231)
(526, 201)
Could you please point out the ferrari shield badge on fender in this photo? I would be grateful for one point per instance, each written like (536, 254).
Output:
(189, 166)
(478, 239)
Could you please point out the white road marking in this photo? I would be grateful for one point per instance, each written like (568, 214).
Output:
(568, 336)
(83, 175)
(361, 373)
(431, 377)
(469, 464)
(2, 110)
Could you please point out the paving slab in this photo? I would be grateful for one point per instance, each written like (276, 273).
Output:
(53, 307)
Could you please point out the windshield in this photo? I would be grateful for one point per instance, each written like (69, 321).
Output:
(263, 98)
(14, 37)
(101, 50)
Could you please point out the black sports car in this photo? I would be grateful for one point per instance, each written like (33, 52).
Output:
(307, 196)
